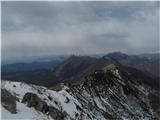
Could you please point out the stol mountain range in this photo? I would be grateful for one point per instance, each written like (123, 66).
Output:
(115, 86)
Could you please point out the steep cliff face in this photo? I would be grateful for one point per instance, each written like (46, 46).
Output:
(105, 94)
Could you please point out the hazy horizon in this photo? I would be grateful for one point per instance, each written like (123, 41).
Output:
(39, 58)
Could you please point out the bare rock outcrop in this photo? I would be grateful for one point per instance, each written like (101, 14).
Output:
(8, 101)
(33, 100)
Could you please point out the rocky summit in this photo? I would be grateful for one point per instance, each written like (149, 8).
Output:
(109, 93)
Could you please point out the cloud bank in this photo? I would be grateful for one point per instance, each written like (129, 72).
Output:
(48, 28)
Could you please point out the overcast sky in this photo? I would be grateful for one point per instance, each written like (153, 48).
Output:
(48, 28)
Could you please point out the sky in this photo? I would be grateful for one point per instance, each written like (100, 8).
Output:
(55, 28)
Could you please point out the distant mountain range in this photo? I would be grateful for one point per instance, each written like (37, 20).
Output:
(111, 87)
(148, 63)
(19, 67)
(75, 68)
(31, 59)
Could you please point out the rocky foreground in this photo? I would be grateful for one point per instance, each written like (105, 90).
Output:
(106, 94)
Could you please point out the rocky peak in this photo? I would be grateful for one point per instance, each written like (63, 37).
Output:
(107, 93)
(73, 66)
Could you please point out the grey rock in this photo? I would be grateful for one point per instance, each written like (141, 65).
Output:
(33, 100)
(56, 114)
(8, 101)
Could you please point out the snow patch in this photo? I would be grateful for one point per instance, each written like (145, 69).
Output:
(24, 113)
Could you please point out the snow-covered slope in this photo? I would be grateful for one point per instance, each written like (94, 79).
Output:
(24, 113)
(103, 95)
(19, 89)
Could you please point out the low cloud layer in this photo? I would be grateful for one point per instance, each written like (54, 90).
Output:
(48, 28)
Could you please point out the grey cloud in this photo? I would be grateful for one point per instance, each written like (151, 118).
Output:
(32, 28)
(19, 15)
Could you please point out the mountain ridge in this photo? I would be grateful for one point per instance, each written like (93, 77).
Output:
(77, 67)
(105, 94)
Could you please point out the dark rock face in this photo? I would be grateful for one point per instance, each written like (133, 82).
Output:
(33, 100)
(56, 114)
(113, 97)
(155, 102)
(8, 101)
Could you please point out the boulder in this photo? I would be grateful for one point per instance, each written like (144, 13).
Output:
(33, 100)
(8, 101)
